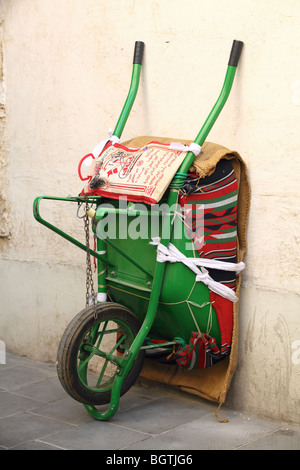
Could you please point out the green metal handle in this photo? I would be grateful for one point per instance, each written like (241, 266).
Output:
(37, 216)
(216, 110)
(134, 84)
(212, 117)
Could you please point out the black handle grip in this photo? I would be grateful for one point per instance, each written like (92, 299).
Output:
(138, 52)
(235, 53)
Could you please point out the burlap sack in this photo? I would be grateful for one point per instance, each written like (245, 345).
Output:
(211, 383)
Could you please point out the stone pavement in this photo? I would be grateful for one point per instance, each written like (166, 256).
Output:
(37, 414)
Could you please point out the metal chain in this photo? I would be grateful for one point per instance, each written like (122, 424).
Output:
(89, 273)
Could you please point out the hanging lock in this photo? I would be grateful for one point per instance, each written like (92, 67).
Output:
(91, 213)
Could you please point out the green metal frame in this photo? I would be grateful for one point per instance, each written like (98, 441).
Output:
(134, 85)
(125, 363)
(78, 200)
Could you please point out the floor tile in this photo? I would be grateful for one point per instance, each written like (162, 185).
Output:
(161, 415)
(37, 414)
(11, 404)
(96, 435)
(207, 433)
(282, 439)
(12, 361)
(24, 427)
(35, 445)
(20, 376)
(66, 410)
(46, 390)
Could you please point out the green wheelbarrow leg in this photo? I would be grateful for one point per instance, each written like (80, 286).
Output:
(132, 353)
(114, 402)
(126, 363)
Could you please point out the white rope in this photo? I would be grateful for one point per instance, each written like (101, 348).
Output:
(113, 138)
(172, 255)
(101, 297)
(193, 147)
(99, 147)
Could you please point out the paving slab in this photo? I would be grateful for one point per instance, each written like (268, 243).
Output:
(37, 414)
(24, 427)
(207, 433)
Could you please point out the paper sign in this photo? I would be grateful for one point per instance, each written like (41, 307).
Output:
(141, 174)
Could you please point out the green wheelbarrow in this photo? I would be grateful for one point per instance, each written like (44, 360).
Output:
(153, 290)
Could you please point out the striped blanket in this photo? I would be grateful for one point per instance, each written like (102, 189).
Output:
(218, 195)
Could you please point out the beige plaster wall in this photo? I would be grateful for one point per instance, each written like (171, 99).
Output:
(65, 75)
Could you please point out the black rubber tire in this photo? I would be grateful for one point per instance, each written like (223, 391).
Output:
(71, 355)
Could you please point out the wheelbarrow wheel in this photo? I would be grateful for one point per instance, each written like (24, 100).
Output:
(86, 355)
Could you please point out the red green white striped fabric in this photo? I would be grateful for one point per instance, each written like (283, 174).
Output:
(201, 352)
(218, 195)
